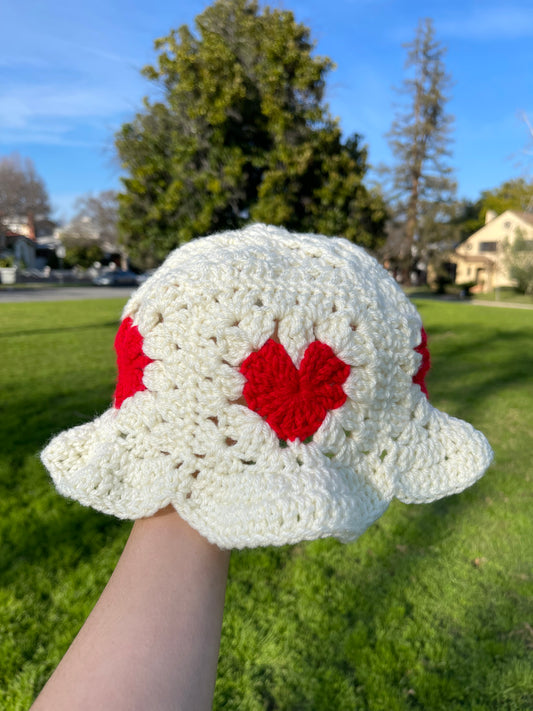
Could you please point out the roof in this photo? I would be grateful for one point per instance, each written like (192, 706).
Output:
(525, 216)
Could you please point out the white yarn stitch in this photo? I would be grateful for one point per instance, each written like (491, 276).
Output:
(190, 440)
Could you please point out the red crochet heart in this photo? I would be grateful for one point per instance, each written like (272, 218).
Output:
(131, 361)
(419, 378)
(294, 402)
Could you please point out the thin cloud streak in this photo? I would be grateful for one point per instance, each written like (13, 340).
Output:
(60, 107)
(101, 53)
(43, 137)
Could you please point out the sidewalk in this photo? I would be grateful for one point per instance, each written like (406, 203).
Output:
(501, 304)
(473, 302)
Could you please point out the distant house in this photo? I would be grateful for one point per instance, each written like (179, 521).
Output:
(480, 258)
(18, 247)
(20, 226)
(27, 246)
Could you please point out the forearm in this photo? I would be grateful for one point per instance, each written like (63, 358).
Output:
(152, 639)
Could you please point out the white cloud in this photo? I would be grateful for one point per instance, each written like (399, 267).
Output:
(51, 114)
(61, 101)
(46, 136)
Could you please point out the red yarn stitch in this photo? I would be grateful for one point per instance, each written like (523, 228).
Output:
(131, 361)
(420, 376)
(294, 402)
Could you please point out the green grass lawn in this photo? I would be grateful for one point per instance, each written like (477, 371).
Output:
(430, 609)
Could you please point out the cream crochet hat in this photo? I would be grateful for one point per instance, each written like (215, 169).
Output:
(271, 388)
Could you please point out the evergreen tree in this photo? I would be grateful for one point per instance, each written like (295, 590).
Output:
(240, 133)
(422, 184)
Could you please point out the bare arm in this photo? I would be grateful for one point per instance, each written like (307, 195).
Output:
(152, 639)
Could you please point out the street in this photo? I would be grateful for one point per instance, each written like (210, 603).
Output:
(65, 293)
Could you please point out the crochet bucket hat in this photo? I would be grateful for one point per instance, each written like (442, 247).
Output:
(271, 388)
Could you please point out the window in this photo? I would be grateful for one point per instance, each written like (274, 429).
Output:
(488, 246)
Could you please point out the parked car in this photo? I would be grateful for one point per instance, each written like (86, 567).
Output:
(116, 277)
(141, 278)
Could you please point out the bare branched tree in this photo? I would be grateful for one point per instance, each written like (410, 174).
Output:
(22, 192)
(101, 209)
(95, 220)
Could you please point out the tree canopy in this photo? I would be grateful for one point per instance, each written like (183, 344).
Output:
(240, 132)
(422, 185)
(514, 194)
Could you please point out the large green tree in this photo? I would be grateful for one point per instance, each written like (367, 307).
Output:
(240, 132)
(422, 188)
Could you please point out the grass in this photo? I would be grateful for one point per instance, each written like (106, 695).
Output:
(430, 609)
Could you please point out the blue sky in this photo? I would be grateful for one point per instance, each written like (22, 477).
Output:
(70, 76)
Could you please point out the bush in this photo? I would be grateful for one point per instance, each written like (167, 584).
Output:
(82, 255)
(441, 282)
(465, 289)
(519, 260)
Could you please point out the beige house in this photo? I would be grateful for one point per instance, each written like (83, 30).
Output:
(480, 258)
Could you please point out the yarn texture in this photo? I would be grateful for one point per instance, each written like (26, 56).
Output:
(271, 387)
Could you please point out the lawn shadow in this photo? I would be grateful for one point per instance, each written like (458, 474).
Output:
(42, 521)
(59, 329)
(53, 537)
(30, 422)
(462, 377)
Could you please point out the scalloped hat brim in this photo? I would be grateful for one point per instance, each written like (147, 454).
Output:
(437, 455)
